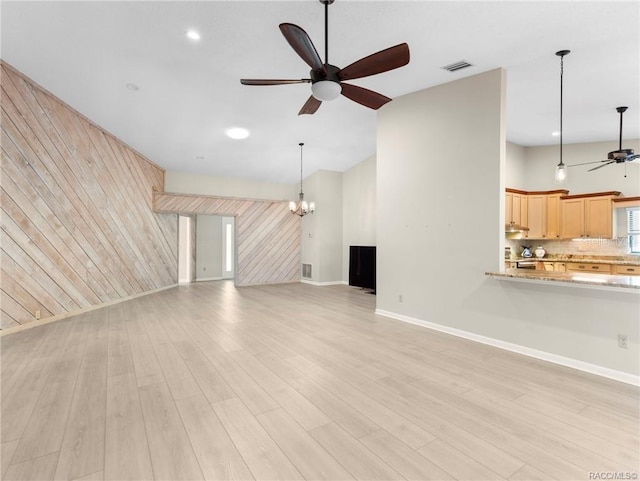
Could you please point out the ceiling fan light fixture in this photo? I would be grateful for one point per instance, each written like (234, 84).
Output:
(326, 90)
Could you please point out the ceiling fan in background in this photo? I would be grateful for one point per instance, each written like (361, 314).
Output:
(616, 156)
(327, 81)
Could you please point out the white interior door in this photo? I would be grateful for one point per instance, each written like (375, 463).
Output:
(228, 247)
(184, 249)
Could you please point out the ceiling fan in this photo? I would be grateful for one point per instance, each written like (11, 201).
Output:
(616, 156)
(328, 81)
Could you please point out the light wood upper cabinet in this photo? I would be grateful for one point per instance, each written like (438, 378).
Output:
(588, 215)
(554, 216)
(515, 208)
(572, 212)
(537, 213)
(543, 214)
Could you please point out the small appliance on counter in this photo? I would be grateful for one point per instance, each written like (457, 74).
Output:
(526, 251)
(540, 252)
(507, 253)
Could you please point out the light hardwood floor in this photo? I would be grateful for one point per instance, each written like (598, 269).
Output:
(292, 381)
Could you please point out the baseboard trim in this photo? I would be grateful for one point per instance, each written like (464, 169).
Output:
(59, 317)
(322, 284)
(205, 279)
(527, 351)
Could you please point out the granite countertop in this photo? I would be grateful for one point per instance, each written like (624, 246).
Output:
(616, 260)
(590, 279)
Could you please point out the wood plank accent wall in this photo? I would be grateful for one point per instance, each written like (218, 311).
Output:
(77, 224)
(267, 234)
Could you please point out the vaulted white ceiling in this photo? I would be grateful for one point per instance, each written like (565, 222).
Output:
(87, 52)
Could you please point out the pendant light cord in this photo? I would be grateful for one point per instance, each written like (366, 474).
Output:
(561, 82)
(301, 144)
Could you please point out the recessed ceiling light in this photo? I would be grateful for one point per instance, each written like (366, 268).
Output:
(237, 133)
(199, 157)
(193, 35)
(555, 134)
(133, 87)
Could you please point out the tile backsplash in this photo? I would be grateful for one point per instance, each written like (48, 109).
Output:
(591, 247)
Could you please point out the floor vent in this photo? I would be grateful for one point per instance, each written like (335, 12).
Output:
(306, 271)
(457, 66)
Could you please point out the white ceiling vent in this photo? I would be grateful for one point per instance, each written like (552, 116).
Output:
(457, 66)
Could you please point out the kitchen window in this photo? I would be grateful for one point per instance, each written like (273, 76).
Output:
(633, 228)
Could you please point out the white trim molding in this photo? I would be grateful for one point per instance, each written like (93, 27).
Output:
(621, 376)
(322, 284)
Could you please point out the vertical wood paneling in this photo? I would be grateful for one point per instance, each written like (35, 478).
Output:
(78, 228)
(267, 234)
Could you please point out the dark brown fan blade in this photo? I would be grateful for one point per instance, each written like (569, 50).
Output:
(382, 61)
(363, 96)
(587, 163)
(310, 106)
(302, 44)
(251, 81)
(601, 166)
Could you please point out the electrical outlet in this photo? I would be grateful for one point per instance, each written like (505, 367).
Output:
(37, 314)
(622, 341)
(400, 298)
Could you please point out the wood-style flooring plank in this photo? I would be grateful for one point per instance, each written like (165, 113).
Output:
(211, 383)
(126, 454)
(216, 453)
(303, 451)
(350, 453)
(453, 461)
(36, 469)
(380, 414)
(172, 455)
(263, 457)
(45, 431)
(296, 405)
(348, 418)
(408, 462)
(6, 453)
(82, 450)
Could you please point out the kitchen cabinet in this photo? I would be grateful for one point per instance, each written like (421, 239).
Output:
(587, 215)
(515, 207)
(553, 216)
(626, 270)
(543, 211)
(552, 266)
(588, 267)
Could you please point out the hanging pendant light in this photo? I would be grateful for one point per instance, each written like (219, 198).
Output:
(302, 207)
(561, 168)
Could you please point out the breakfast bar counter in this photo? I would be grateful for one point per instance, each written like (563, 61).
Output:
(604, 281)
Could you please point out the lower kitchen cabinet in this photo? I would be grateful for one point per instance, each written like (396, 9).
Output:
(626, 270)
(587, 267)
(552, 266)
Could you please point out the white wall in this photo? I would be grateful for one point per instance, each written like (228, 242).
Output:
(441, 229)
(208, 247)
(515, 166)
(187, 183)
(322, 232)
(359, 209)
(540, 163)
